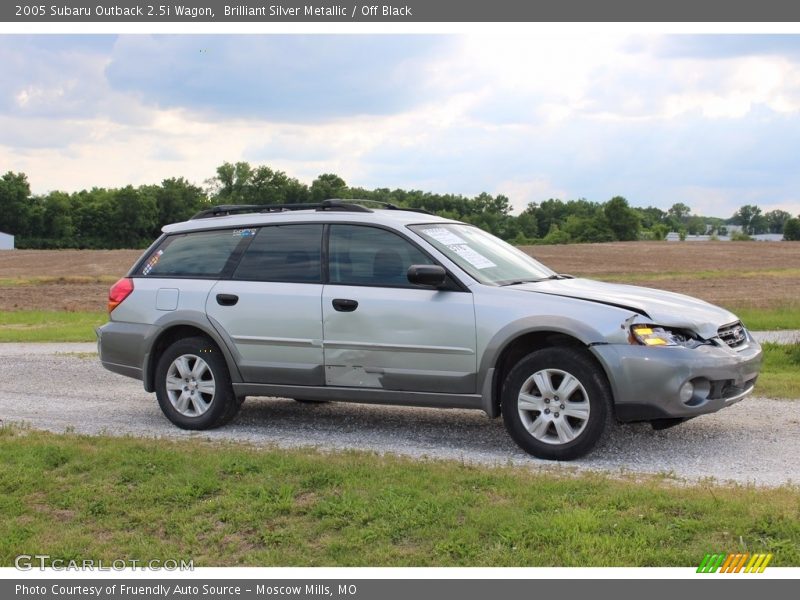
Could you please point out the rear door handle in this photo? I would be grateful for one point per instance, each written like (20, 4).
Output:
(227, 299)
(344, 305)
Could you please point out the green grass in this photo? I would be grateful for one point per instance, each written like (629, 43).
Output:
(780, 376)
(76, 497)
(696, 275)
(49, 326)
(767, 319)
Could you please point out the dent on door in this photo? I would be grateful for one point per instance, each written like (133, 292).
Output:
(400, 339)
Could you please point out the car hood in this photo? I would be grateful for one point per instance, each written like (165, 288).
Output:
(664, 308)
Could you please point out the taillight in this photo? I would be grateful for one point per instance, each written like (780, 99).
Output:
(118, 292)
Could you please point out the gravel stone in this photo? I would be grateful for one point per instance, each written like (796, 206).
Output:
(786, 336)
(59, 387)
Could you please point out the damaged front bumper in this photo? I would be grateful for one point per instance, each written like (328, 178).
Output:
(678, 382)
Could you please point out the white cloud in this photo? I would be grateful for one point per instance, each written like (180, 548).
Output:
(531, 117)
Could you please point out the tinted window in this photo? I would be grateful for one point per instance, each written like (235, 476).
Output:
(371, 256)
(290, 253)
(201, 254)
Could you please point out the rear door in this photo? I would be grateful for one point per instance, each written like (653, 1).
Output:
(381, 331)
(269, 310)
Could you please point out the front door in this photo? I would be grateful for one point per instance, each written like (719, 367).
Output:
(380, 331)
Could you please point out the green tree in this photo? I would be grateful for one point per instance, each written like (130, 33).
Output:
(776, 220)
(679, 212)
(651, 216)
(622, 220)
(660, 231)
(15, 206)
(526, 223)
(749, 217)
(791, 230)
(327, 186)
(92, 216)
(135, 215)
(548, 213)
(231, 185)
(177, 200)
(696, 225)
(57, 220)
(586, 229)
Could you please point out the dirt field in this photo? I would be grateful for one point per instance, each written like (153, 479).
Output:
(757, 274)
(733, 274)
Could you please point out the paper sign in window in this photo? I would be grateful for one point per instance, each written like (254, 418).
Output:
(477, 260)
(443, 236)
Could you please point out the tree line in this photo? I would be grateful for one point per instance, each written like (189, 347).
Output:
(132, 217)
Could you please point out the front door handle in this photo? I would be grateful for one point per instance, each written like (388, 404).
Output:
(344, 305)
(227, 299)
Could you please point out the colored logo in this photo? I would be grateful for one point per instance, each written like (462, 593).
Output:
(734, 563)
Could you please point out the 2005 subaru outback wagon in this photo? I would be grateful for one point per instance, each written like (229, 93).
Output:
(336, 301)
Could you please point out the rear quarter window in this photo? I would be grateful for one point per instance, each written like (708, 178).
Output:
(202, 254)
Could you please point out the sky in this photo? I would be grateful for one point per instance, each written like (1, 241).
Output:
(712, 120)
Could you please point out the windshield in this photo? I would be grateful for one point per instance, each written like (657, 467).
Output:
(485, 257)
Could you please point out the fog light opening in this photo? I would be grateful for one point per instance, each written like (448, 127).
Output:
(695, 392)
(687, 392)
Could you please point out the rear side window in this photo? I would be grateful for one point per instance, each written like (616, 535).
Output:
(202, 254)
(286, 253)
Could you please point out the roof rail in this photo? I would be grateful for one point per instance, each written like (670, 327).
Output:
(390, 206)
(232, 209)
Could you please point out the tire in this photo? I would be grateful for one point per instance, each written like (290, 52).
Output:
(193, 386)
(561, 381)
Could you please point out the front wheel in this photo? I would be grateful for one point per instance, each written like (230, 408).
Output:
(193, 386)
(555, 403)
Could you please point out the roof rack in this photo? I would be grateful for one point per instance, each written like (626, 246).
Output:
(391, 206)
(232, 209)
(331, 205)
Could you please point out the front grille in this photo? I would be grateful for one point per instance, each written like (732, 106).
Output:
(733, 335)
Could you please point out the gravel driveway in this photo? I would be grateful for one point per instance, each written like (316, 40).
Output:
(59, 386)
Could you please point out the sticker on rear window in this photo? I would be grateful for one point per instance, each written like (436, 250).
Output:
(443, 236)
(476, 259)
(152, 262)
(244, 232)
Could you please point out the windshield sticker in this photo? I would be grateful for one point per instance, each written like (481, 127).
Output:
(443, 236)
(152, 262)
(477, 260)
(243, 232)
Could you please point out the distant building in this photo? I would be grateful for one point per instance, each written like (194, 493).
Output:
(6, 241)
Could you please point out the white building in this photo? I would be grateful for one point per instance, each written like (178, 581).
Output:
(6, 241)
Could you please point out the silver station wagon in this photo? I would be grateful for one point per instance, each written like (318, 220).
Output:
(337, 301)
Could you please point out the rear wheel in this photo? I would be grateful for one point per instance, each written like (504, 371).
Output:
(555, 403)
(193, 386)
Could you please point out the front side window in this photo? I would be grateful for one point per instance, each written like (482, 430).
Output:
(201, 254)
(485, 257)
(285, 253)
(362, 255)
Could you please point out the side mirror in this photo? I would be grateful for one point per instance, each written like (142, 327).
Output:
(430, 275)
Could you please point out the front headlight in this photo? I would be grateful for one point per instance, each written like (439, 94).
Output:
(651, 335)
(656, 335)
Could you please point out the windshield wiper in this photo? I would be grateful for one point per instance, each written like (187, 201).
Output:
(537, 280)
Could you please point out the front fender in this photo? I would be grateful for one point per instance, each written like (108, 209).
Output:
(552, 324)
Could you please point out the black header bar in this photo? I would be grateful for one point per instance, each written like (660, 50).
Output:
(410, 11)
